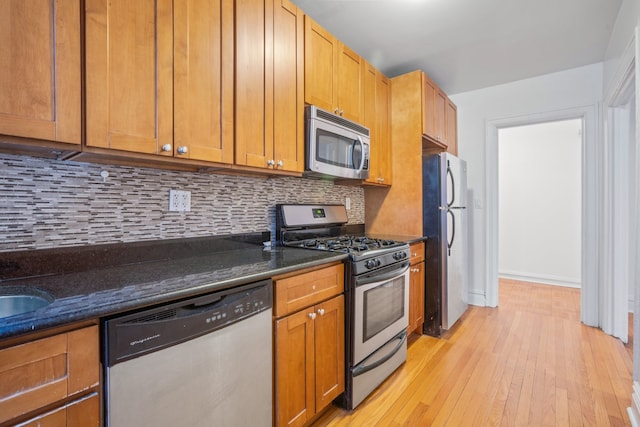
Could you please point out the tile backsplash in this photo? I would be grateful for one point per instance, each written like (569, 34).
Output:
(49, 203)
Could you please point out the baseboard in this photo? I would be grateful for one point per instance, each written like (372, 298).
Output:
(539, 278)
(634, 410)
(477, 299)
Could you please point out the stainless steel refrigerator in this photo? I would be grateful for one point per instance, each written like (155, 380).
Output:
(444, 210)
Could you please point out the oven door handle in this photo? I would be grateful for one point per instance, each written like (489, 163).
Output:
(386, 276)
(363, 367)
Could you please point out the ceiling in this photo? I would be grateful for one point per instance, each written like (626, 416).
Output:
(470, 44)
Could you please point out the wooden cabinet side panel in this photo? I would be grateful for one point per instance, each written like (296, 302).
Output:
(320, 66)
(250, 145)
(304, 290)
(129, 78)
(349, 84)
(294, 369)
(199, 117)
(287, 86)
(329, 336)
(40, 59)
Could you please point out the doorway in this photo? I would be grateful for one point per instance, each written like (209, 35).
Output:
(540, 202)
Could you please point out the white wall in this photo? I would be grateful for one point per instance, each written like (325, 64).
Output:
(628, 17)
(540, 202)
(569, 89)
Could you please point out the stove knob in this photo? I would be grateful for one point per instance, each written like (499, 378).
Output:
(371, 263)
(378, 263)
(397, 256)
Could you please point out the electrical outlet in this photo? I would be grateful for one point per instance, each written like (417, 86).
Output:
(347, 203)
(179, 201)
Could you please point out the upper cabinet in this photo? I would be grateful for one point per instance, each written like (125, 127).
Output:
(40, 68)
(269, 91)
(439, 122)
(333, 73)
(377, 117)
(159, 77)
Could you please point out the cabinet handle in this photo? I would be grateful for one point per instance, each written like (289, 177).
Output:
(337, 111)
(380, 179)
(415, 254)
(312, 316)
(321, 311)
(415, 270)
(271, 162)
(341, 112)
(182, 149)
(280, 163)
(166, 147)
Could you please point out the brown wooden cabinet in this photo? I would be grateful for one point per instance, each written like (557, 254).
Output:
(416, 288)
(159, 77)
(333, 73)
(439, 117)
(377, 117)
(41, 78)
(309, 343)
(269, 109)
(62, 369)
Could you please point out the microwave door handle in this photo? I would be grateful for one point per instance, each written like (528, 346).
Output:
(362, 151)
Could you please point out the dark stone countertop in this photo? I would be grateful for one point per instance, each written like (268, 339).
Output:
(100, 281)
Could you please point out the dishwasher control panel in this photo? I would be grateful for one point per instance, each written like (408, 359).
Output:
(150, 330)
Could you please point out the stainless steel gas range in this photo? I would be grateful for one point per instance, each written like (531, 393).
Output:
(376, 292)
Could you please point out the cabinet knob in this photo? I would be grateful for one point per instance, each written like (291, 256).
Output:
(271, 162)
(166, 147)
(321, 311)
(312, 316)
(337, 111)
(280, 163)
(415, 254)
(380, 179)
(341, 112)
(182, 149)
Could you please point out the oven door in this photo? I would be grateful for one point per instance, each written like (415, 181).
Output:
(381, 308)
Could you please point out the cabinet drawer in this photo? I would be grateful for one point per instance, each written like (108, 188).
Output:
(417, 252)
(296, 292)
(47, 370)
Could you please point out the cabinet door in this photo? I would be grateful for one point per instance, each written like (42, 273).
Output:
(349, 84)
(452, 127)
(441, 105)
(383, 128)
(370, 119)
(285, 103)
(329, 341)
(320, 66)
(129, 75)
(251, 145)
(416, 298)
(429, 91)
(294, 369)
(203, 79)
(40, 63)
(80, 413)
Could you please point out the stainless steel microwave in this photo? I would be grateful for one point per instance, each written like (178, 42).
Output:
(335, 147)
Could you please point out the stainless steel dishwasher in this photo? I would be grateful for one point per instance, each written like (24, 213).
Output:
(204, 362)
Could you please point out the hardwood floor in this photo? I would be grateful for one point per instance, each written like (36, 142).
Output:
(528, 362)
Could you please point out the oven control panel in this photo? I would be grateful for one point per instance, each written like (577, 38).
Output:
(380, 260)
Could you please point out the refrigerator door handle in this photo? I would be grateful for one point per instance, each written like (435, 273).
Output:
(453, 231)
(453, 186)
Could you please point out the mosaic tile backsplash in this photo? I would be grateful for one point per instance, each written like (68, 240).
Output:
(48, 203)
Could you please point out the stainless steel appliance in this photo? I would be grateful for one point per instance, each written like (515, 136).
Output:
(445, 224)
(376, 292)
(335, 147)
(200, 362)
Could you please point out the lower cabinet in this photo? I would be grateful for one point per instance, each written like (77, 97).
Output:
(52, 381)
(416, 288)
(309, 351)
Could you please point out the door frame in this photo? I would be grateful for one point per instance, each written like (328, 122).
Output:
(591, 194)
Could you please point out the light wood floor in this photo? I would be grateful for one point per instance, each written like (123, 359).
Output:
(528, 362)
